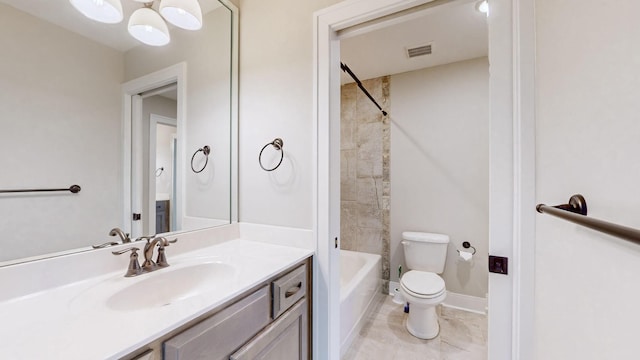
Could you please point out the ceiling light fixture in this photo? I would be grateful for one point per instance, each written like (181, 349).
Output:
(185, 14)
(145, 24)
(105, 11)
(483, 7)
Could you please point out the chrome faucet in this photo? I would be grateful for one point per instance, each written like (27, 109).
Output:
(117, 232)
(161, 261)
(134, 268)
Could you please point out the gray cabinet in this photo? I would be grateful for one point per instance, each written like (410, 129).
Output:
(270, 322)
(149, 355)
(285, 339)
(218, 336)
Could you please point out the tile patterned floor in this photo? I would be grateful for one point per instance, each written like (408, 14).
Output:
(463, 335)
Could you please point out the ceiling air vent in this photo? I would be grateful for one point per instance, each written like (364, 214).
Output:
(419, 50)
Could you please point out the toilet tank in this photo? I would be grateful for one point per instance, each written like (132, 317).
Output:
(425, 251)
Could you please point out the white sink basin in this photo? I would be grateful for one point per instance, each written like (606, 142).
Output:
(169, 285)
(162, 287)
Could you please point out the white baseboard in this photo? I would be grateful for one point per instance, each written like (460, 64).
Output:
(469, 303)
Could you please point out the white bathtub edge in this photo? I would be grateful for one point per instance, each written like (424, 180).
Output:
(378, 298)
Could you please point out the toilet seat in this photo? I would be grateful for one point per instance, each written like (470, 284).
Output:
(422, 284)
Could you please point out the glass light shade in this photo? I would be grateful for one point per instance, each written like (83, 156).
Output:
(483, 7)
(185, 14)
(148, 27)
(106, 11)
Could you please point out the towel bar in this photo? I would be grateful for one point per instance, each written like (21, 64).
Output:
(576, 211)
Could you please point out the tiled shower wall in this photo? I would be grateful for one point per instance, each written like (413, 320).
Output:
(364, 176)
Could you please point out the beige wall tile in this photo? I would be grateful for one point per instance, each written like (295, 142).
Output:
(365, 186)
(369, 240)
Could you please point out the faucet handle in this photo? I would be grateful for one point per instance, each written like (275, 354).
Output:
(110, 243)
(148, 238)
(134, 266)
(161, 261)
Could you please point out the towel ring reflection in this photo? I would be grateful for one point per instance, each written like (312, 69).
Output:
(206, 150)
(276, 143)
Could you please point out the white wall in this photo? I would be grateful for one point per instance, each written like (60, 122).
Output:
(276, 96)
(440, 165)
(207, 54)
(60, 118)
(588, 141)
(164, 151)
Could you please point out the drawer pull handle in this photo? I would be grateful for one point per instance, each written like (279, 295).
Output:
(293, 290)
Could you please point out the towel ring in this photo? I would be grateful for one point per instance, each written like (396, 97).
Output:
(159, 171)
(276, 143)
(206, 150)
(467, 245)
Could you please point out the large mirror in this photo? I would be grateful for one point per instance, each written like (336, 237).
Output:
(147, 132)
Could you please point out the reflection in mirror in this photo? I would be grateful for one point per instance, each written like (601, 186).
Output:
(161, 111)
(63, 118)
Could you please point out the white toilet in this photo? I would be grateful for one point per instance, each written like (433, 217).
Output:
(425, 255)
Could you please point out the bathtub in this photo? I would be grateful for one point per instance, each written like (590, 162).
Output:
(360, 283)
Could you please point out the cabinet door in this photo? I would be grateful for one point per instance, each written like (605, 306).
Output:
(285, 339)
(218, 336)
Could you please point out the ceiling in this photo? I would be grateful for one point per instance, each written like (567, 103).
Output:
(116, 36)
(455, 29)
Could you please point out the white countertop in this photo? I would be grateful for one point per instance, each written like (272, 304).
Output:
(75, 321)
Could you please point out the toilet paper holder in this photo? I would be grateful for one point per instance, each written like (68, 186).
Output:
(467, 245)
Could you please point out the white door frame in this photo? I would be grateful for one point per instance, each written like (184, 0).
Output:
(512, 170)
(132, 118)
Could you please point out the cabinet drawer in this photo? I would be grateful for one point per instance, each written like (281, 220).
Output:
(220, 335)
(288, 289)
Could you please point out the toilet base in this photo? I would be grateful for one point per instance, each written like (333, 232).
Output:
(422, 322)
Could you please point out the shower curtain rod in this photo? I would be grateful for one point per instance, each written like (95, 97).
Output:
(346, 69)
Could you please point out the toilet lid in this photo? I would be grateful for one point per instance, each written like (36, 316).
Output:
(422, 283)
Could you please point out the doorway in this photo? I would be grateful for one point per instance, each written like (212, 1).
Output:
(419, 165)
(511, 173)
(163, 141)
(164, 88)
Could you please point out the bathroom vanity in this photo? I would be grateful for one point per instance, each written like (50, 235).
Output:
(270, 322)
(223, 296)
